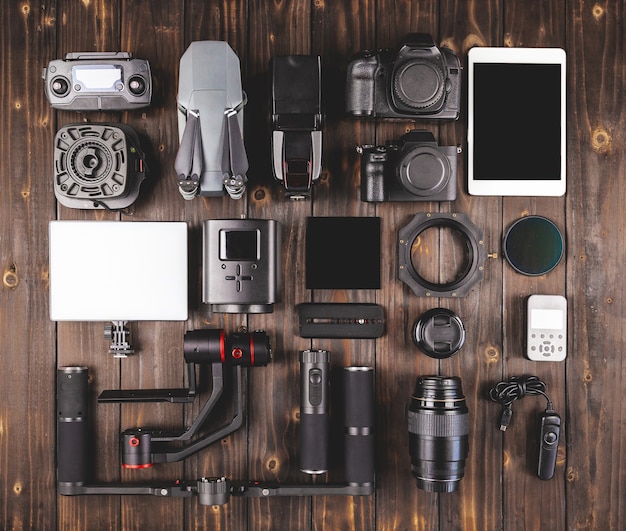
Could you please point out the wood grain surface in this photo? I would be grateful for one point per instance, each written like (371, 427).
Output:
(500, 489)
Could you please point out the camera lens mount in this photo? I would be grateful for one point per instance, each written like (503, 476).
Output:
(424, 171)
(471, 273)
(419, 84)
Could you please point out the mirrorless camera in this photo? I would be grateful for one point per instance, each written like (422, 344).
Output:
(414, 168)
(418, 80)
(88, 81)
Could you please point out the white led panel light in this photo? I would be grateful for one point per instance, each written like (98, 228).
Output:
(118, 271)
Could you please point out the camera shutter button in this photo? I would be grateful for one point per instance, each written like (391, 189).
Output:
(550, 438)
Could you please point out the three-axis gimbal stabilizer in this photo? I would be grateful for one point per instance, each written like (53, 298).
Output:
(142, 448)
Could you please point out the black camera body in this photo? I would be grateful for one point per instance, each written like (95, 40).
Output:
(415, 168)
(418, 80)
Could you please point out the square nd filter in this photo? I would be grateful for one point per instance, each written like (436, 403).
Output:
(343, 253)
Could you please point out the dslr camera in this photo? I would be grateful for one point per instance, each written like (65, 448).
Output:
(89, 81)
(414, 168)
(418, 80)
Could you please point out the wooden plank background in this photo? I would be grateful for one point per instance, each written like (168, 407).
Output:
(500, 490)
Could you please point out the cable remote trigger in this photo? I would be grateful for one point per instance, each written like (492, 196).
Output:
(549, 431)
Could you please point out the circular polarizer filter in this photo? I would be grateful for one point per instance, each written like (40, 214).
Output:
(533, 245)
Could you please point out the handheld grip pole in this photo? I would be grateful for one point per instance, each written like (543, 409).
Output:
(72, 428)
(314, 411)
(359, 424)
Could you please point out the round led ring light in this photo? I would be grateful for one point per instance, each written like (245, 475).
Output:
(465, 280)
(533, 245)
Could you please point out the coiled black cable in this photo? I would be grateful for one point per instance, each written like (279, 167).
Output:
(516, 387)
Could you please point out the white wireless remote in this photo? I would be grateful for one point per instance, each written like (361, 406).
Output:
(546, 328)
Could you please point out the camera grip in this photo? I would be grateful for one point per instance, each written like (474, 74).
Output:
(359, 424)
(373, 174)
(360, 87)
(314, 411)
(314, 435)
(72, 426)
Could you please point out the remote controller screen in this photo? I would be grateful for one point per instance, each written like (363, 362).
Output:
(98, 78)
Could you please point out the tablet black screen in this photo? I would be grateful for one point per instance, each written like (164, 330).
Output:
(517, 121)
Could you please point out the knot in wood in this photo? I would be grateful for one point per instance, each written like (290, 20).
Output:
(600, 140)
(10, 278)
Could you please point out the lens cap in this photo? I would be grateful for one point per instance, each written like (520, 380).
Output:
(533, 245)
(419, 84)
(439, 333)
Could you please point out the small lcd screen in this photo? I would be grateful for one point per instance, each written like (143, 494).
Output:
(98, 78)
(517, 122)
(239, 245)
(343, 253)
(543, 319)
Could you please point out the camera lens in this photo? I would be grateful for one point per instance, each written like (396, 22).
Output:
(438, 433)
(419, 84)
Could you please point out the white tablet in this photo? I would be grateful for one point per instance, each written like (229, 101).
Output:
(118, 271)
(516, 121)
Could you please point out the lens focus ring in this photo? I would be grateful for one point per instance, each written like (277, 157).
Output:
(438, 425)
